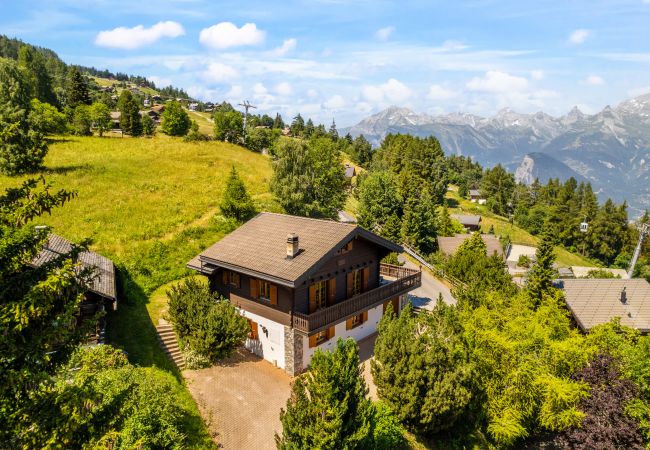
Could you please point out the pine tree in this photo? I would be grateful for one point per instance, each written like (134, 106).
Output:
(362, 150)
(148, 126)
(22, 148)
(236, 203)
(130, 120)
(419, 223)
(309, 128)
(34, 63)
(278, 122)
(333, 133)
(540, 278)
(297, 126)
(445, 225)
(328, 407)
(77, 89)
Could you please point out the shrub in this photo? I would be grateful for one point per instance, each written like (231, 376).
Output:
(148, 126)
(46, 119)
(175, 121)
(387, 431)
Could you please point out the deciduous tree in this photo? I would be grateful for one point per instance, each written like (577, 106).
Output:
(175, 120)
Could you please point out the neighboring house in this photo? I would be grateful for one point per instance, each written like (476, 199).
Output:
(159, 109)
(449, 245)
(102, 291)
(596, 301)
(153, 114)
(115, 119)
(583, 271)
(470, 222)
(303, 283)
(350, 171)
(146, 102)
(193, 106)
(476, 197)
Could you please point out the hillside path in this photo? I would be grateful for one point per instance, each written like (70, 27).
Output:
(426, 295)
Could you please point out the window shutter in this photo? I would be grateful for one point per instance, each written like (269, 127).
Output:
(349, 284)
(365, 316)
(237, 280)
(312, 298)
(274, 294)
(365, 278)
(331, 291)
(312, 341)
(224, 277)
(330, 332)
(255, 288)
(348, 324)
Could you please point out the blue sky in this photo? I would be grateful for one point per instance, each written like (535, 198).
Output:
(343, 60)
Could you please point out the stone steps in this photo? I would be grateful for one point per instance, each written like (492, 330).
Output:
(169, 344)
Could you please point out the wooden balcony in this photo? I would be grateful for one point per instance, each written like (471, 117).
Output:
(396, 281)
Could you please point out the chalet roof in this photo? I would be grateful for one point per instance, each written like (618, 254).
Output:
(467, 219)
(583, 272)
(346, 217)
(104, 281)
(449, 245)
(116, 115)
(258, 247)
(596, 301)
(349, 171)
(474, 193)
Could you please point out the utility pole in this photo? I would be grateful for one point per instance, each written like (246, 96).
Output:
(644, 230)
(246, 104)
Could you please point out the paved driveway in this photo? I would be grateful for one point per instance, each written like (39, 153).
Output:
(425, 296)
(240, 399)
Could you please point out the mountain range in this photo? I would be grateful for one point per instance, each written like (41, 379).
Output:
(610, 149)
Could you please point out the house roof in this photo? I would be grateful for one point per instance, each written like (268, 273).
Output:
(349, 171)
(449, 245)
(583, 272)
(116, 115)
(103, 282)
(474, 193)
(258, 247)
(346, 217)
(596, 301)
(467, 219)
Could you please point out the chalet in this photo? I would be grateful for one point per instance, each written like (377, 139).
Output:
(115, 119)
(153, 114)
(350, 171)
(303, 283)
(476, 197)
(470, 222)
(449, 245)
(102, 291)
(596, 301)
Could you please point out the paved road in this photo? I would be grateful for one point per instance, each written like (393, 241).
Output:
(426, 295)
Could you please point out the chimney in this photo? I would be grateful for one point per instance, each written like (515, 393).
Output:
(623, 296)
(293, 246)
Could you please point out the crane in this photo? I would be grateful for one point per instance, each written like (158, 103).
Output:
(644, 230)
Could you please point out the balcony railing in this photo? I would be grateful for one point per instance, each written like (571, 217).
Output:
(405, 281)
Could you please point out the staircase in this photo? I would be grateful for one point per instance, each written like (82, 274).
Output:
(169, 343)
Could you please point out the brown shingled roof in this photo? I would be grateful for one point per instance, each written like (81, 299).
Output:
(259, 246)
(103, 282)
(596, 301)
(449, 245)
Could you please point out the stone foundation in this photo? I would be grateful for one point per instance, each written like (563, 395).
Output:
(292, 351)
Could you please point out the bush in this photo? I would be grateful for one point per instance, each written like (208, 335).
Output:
(209, 326)
(46, 119)
(148, 126)
(175, 121)
(387, 431)
(81, 121)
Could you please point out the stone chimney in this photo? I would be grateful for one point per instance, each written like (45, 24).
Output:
(623, 296)
(293, 246)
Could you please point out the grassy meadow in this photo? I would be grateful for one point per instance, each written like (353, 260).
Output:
(150, 205)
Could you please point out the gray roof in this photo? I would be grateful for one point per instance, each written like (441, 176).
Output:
(596, 301)
(103, 282)
(346, 217)
(258, 247)
(449, 245)
(349, 171)
(467, 219)
(474, 193)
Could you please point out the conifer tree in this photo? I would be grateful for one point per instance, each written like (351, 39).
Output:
(333, 132)
(540, 279)
(297, 126)
(278, 122)
(130, 120)
(419, 223)
(328, 408)
(236, 203)
(309, 128)
(34, 63)
(77, 89)
(445, 225)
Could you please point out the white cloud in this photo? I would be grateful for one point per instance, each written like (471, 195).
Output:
(452, 45)
(287, 46)
(334, 102)
(392, 91)
(283, 88)
(437, 92)
(384, 33)
(594, 80)
(226, 34)
(219, 73)
(537, 74)
(259, 89)
(160, 81)
(579, 36)
(496, 81)
(138, 36)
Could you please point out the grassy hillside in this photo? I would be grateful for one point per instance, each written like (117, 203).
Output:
(502, 227)
(150, 205)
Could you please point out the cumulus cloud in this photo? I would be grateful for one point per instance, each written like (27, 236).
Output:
(283, 88)
(259, 89)
(138, 36)
(437, 92)
(384, 33)
(594, 80)
(219, 73)
(160, 81)
(334, 102)
(579, 36)
(537, 74)
(496, 81)
(393, 91)
(287, 46)
(226, 35)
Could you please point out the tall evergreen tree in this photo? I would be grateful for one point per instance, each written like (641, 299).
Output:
(328, 407)
(34, 63)
(540, 279)
(130, 120)
(333, 132)
(380, 200)
(278, 122)
(22, 148)
(77, 89)
(236, 202)
(445, 225)
(497, 186)
(309, 128)
(297, 126)
(362, 150)
(419, 223)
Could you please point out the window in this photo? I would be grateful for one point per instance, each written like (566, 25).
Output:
(253, 332)
(233, 279)
(321, 337)
(357, 320)
(356, 282)
(346, 248)
(320, 295)
(265, 290)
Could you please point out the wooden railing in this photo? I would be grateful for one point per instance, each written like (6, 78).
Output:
(407, 280)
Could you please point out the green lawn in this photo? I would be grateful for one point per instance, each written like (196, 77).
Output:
(150, 205)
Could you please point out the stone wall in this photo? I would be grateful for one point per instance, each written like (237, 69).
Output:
(292, 351)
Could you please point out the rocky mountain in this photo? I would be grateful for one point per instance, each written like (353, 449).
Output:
(611, 149)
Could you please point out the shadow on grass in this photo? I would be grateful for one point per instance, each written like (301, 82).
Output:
(59, 140)
(131, 329)
(451, 202)
(64, 170)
